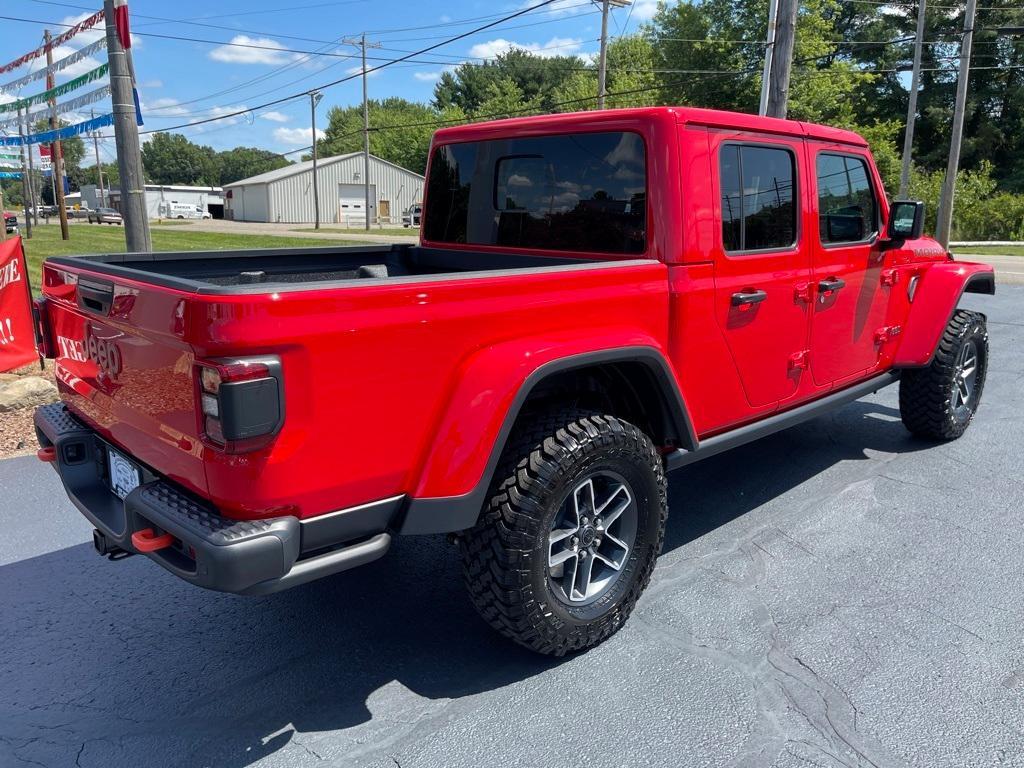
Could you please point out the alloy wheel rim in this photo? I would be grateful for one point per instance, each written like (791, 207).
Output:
(965, 376)
(591, 538)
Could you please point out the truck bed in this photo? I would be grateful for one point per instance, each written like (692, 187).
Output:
(262, 269)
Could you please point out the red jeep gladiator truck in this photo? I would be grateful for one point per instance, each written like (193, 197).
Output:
(596, 299)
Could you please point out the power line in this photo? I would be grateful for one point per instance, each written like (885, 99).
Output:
(368, 70)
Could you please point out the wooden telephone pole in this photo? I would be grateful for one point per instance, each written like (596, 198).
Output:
(782, 58)
(56, 151)
(915, 84)
(126, 139)
(944, 225)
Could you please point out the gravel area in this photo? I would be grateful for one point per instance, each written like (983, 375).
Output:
(17, 433)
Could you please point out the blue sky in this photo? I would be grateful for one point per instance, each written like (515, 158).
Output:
(182, 81)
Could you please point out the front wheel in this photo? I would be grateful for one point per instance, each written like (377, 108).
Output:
(939, 401)
(570, 535)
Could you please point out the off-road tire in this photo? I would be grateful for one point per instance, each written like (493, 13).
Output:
(505, 556)
(927, 394)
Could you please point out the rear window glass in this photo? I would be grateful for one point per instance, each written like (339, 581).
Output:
(578, 192)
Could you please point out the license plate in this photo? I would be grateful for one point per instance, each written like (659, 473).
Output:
(124, 476)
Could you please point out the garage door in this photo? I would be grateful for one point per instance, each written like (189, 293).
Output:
(352, 204)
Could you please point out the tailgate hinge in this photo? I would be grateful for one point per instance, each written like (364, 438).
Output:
(890, 276)
(887, 332)
(798, 360)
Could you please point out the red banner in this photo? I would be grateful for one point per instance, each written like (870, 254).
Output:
(17, 337)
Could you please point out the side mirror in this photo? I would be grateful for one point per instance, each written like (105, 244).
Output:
(906, 220)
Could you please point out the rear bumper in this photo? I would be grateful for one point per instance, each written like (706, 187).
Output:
(252, 557)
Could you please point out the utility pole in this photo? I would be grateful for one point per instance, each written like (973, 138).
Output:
(769, 50)
(363, 45)
(56, 152)
(314, 99)
(23, 129)
(602, 68)
(944, 224)
(782, 58)
(26, 183)
(26, 178)
(126, 139)
(915, 83)
(99, 165)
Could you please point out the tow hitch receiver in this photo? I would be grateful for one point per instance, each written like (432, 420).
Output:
(146, 540)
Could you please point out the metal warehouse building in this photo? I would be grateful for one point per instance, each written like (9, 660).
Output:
(286, 195)
(163, 201)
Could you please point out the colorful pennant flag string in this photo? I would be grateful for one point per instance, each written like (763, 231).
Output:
(59, 134)
(60, 90)
(71, 105)
(58, 66)
(88, 23)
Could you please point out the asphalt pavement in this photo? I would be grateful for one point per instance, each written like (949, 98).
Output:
(840, 594)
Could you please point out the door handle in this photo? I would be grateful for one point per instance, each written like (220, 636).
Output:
(742, 298)
(831, 284)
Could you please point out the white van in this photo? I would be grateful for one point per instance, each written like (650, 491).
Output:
(173, 210)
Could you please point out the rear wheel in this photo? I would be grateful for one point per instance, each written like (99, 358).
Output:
(939, 401)
(569, 537)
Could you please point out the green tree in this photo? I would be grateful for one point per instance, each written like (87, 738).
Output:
(537, 77)
(504, 98)
(170, 158)
(400, 131)
(243, 162)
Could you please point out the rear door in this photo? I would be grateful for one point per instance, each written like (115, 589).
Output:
(761, 262)
(122, 363)
(849, 298)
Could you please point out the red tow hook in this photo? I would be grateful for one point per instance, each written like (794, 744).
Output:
(146, 541)
(48, 454)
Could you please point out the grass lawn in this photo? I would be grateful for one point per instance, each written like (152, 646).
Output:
(393, 231)
(86, 239)
(990, 250)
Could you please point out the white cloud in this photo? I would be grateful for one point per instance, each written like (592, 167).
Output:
(297, 137)
(644, 10)
(276, 117)
(556, 46)
(358, 70)
(561, 7)
(151, 84)
(267, 53)
(163, 107)
(445, 18)
(427, 77)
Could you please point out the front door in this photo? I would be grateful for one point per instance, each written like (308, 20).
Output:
(849, 298)
(761, 264)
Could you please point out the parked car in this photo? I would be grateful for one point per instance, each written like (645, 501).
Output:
(105, 216)
(582, 316)
(10, 222)
(411, 218)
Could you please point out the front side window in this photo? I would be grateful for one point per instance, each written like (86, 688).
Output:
(847, 212)
(575, 192)
(758, 212)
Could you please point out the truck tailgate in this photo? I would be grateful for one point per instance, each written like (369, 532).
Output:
(123, 365)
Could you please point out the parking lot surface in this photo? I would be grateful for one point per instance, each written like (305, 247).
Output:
(840, 594)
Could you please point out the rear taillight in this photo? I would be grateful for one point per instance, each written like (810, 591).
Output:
(240, 402)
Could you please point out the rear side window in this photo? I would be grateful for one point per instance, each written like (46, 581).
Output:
(576, 192)
(757, 198)
(847, 212)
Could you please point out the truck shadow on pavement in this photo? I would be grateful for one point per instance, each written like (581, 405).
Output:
(117, 660)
